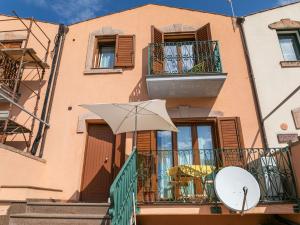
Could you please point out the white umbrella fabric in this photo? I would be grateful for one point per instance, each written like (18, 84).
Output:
(134, 116)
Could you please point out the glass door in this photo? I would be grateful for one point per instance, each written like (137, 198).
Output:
(165, 162)
(205, 144)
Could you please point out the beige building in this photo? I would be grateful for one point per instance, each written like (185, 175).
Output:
(273, 41)
(196, 61)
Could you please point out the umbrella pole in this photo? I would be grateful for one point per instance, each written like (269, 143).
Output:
(135, 130)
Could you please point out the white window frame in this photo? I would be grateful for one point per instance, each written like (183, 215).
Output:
(288, 32)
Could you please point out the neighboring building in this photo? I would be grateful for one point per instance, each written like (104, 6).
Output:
(196, 61)
(273, 39)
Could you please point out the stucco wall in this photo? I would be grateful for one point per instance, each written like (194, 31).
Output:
(64, 147)
(274, 83)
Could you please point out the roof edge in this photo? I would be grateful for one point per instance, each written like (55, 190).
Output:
(143, 5)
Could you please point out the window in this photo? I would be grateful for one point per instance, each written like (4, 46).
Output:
(290, 46)
(107, 56)
(113, 51)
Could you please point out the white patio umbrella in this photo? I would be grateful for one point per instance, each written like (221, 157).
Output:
(134, 116)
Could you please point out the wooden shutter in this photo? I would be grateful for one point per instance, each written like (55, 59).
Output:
(157, 38)
(231, 141)
(147, 184)
(203, 33)
(125, 50)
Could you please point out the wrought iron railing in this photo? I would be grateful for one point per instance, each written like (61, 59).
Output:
(188, 175)
(8, 71)
(188, 57)
(123, 192)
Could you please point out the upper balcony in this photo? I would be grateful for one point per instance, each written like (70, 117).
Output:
(184, 69)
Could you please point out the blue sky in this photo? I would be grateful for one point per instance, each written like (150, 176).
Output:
(70, 11)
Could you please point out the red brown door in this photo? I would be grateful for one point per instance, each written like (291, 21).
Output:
(97, 170)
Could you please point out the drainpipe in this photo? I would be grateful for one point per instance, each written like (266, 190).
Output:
(59, 41)
(240, 22)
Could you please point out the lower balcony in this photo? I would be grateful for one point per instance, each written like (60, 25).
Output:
(187, 176)
(184, 69)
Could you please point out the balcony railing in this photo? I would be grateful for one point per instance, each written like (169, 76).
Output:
(187, 176)
(185, 58)
(8, 71)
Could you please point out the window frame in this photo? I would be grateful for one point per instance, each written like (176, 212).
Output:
(295, 32)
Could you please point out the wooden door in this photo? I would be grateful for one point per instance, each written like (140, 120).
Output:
(98, 164)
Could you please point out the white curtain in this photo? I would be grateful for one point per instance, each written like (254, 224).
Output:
(171, 59)
(187, 57)
(107, 57)
(165, 162)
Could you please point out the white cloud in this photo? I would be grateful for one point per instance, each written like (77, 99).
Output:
(71, 11)
(285, 2)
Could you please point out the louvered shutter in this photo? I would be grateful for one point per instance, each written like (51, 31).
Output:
(157, 38)
(125, 50)
(231, 141)
(146, 164)
(204, 48)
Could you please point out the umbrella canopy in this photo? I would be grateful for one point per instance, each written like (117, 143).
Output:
(134, 116)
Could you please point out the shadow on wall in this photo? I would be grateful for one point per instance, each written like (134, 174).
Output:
(139, 93)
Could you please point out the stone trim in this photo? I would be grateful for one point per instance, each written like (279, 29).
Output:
(81, 123)
(285, 24)
(25, 154)
(94, 71)
(288, 64)
(177, 28)
(91, 43)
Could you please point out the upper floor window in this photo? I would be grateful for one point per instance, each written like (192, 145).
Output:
(114, 51)
(290, 45)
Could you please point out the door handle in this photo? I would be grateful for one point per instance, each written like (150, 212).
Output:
(106, 159)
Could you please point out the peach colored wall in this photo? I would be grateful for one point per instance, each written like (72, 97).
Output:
(64, 148)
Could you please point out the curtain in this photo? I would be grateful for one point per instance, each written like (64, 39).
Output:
(187, 57)
(107, 57)
(165, 162)
(171, 59)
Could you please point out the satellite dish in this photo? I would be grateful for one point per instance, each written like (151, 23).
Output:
(237, 189)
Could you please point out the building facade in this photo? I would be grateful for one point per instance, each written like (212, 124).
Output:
(196, 61)
(272, 37)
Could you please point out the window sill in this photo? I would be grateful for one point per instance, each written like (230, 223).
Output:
(102, 71)
(288, 64)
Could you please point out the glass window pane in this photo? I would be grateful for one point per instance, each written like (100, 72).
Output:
(171, 59)
(205, 143)
(107, 56)
(187, 57)
(289, 44)
(165, 162)
(185, 146)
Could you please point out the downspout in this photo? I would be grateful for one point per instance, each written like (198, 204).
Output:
(240, 21)
(58, 46)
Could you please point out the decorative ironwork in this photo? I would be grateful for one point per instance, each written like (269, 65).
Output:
(188, 175)
(189, 57)
(8, 71)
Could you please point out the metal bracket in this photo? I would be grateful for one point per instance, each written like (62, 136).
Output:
(215, 210)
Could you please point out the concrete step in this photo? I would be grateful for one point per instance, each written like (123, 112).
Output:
(67, 208)
(58, 219)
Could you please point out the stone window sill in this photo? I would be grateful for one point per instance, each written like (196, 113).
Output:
(288, 64)
(102, 71)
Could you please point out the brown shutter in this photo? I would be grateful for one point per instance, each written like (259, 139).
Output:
(146, 166)
(203, 33)
(157, 38)
(204, 49)
(125, 50)
(231, 141)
